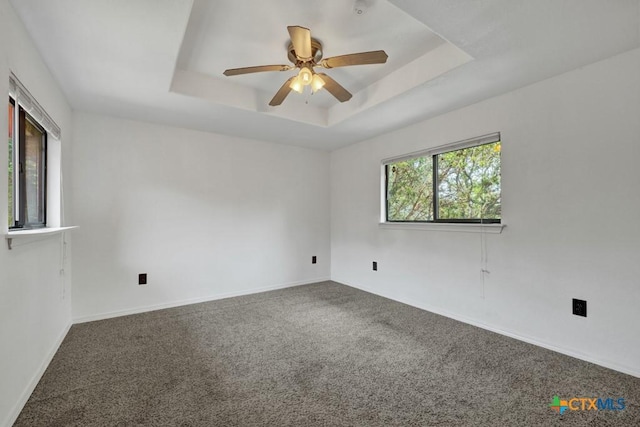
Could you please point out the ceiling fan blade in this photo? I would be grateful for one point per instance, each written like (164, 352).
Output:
(258, 69)
(335, 89)
(301, 40)
(282, 93)
(362, 58)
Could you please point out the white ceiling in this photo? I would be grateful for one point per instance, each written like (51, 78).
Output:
(162, 60)
(213, 43)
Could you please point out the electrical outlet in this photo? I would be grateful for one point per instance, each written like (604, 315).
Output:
(375, 266)
(142, 279)
(580, 307)
(313, 259)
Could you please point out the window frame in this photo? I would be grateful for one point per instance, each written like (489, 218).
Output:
(434, 153)
(20, 118)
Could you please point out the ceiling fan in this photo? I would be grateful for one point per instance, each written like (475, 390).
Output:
(305, 53)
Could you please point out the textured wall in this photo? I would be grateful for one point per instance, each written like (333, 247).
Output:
(570, 202)
(35, 303)
(204, 215)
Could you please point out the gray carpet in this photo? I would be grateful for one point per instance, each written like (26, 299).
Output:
(316, 355)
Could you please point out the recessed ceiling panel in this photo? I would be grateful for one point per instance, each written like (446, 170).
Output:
(230, 34)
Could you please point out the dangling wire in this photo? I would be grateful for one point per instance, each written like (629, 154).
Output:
(483, 251)
(309, 94)
(483, 257)
(63, 239)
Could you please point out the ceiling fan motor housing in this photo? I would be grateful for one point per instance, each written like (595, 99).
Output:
(316, 53)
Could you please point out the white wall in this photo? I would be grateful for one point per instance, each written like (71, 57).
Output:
(571, 202)
(204, 215)
(35, 305)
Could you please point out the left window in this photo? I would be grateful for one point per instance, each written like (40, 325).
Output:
(27, 169)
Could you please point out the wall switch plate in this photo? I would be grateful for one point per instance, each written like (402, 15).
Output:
(313, 259)
(142, 279)
(580, 307)
(375, 266)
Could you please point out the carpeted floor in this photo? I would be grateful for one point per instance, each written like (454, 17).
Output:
(316, 355)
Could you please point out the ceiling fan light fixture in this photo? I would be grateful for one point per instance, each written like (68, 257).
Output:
(317, 83)
(297, 85)
(305, 76)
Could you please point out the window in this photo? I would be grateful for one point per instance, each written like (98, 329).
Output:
(12, 187)
(27, 169)
(455, 183)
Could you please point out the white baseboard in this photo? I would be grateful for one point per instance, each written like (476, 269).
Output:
(568, 352)
(171, 304)
(35, 379)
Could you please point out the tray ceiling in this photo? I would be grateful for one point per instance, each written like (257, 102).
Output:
(162, 60)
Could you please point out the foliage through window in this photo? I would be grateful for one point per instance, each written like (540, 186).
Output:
(27, 169)
(459, 185)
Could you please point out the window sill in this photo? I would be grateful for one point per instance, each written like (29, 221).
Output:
(34, 233)
(440, 226)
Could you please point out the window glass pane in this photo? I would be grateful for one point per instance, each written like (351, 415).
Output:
(11, 185)
(410, 190)
(469, 183)
(34, 174)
